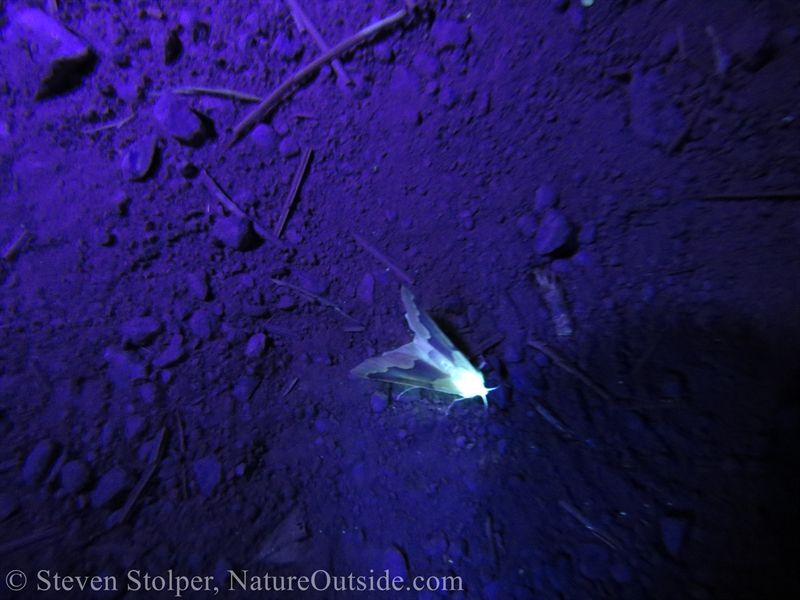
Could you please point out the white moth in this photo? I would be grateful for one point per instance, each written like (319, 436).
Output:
(429, 361)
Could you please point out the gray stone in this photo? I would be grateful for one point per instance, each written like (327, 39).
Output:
(265, 137)
(124, 367)
(288, 147)
(111, 486)
(75, 476)
(256, 345)
(235, 232)
(379, 401)
(366, 289)
(200, 323)
(179, 120)
(138, 159)
(198, 285)
(654, 117)
(426, 64)
(172, 355)
(208, 474)
(66, 57)
(39, 461)
(245, 387)
(527, 225)
(141, 331)
(553, 232)
(448, 34)
(546, 198)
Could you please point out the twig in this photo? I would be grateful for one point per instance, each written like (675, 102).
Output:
(559, 361)
(289, 387)
(114, 125)
(755, 196)
(155, 462)
(314, 297)
(213, 187)
(545, 414)
(216, 93)
(380, 256)
(261, 111)
(302, 21)
(11, 254)
(298, 179)
(586, 523)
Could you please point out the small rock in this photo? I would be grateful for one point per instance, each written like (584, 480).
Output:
(139, 158)
(394, 560)
(208, 474)
(448, 97)
(265, 137)
(67, 58)
(141, 331)
(286, 302)
(172, 355)
(553, 232)
(673, 531)
(545, 199)
(245, 387)
(148, 392)
(448, 34)
(426, 64)
(288, 147)
(110, 487)
(179, 121)
(124, 367)
(39, 462)
(198, 285)
(654, 117)
(256, 345)
(75, 476)
(366, 289)
(593, 561)
(235, 232)
(287, 48)
(188, 170)
(379, 401)
(200, 323)
(8, 506)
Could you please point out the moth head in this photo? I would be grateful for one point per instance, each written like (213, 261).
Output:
(470, 384)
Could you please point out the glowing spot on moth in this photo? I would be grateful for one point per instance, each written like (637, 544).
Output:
(429, 361)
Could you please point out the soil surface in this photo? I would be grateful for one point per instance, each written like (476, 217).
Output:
(599, 205)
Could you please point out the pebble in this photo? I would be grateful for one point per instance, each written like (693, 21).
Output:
(378, 401)
(672, 532)
(198, 285)
(256, 345)
(125, 367)
(200, 324)
(111, 485)
(449, 34)
(287, 48)
(553, 232)
(75, 476)
(366, 289)
(288, 147)
(265, 137)
(138, 159)
(426, 64)
(546, 197)
(235, 232)
(527, 225)
(653, 120)
(245, 387)
(141, 331)
(179, 121)
(588, 233)
(593, 561)
(39, 462)
(208, 474)
(394, 560)
(448, 97)
(173, 47)
(172, 355)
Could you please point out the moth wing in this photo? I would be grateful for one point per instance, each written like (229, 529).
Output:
(430, 334)
(407, 365)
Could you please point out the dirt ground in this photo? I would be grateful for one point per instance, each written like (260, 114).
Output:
(599, 203)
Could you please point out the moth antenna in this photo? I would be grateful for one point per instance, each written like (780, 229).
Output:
(415, 387)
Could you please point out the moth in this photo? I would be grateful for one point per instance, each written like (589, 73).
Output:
(429, 361)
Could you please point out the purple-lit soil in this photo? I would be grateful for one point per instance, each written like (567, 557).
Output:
(176, 405)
